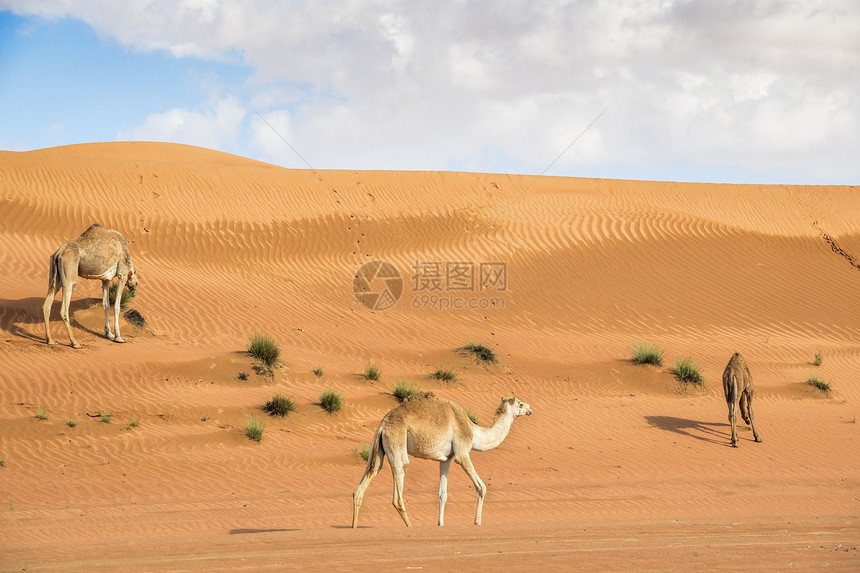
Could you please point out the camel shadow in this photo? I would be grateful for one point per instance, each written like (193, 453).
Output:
(252, 531)
(14, 313)
(704, 431)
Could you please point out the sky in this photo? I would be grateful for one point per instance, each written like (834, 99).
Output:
(740, 91)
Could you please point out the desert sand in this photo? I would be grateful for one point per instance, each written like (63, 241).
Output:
(620, 465)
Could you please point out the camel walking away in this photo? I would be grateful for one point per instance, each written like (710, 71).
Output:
(433, 428)
(738, 387)
(100, 254)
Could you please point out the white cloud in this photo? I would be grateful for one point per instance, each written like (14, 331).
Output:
(217, 126)
(759, 85)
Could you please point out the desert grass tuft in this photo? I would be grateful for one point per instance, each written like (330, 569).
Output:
(819, 383)
(254, 427)
(363, 451)
(404, 390)
(104, 417)
(371, 372)
(818, 358)
(318, 371)
(481, 352)
(132, 422)
(444, 374)
(125, 299)
(71, 422)
(264, 349)
(41, 414)
(642, 353)
(134, 318)
(331, 401)
(243, 376)
(687, 372)
(472, 417)
(279, 405)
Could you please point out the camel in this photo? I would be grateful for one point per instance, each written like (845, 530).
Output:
(426, 426)
(738, 387)
(100, 254)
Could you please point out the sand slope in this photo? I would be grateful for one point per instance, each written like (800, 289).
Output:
(618, 466)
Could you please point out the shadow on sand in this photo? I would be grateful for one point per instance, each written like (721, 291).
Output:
(704, 431)
(29, 311)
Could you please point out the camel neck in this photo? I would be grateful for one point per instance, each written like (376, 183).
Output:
(484, 439)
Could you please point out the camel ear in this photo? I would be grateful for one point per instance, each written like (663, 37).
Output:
(510, 400)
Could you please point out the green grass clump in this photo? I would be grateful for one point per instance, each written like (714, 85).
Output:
(279, 405)
(318, 371)
(481, 352)
(444, 374)
(41, 414)
(264, 349)
(472, 417)
(371, 372)
(132, 422)
(71, 422)
(331, 401)
(125, 299)
(819, 383)
(642, 353)
(404, 390)
(254, 427)
(243, 376)
(687, 372)
(818, 359)
(363, 451)
(135, 318)
(104, 417)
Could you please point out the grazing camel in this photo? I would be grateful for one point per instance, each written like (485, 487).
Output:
(433, 428)
(98, 253)
(738, 387)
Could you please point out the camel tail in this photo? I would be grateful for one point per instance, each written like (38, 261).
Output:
(376, 455)
(54, 270)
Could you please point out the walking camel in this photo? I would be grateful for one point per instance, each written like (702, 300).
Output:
(738, 387)
(100, 254)
(433, 428)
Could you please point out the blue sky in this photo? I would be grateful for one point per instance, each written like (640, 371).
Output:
(750, 92)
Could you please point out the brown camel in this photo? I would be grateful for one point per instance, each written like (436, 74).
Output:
(433, 428)
(738, 387)
(100, 254)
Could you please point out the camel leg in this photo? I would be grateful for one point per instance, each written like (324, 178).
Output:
(480, 488)
(68, 289)
(733, 420)
(376, 456)
(443, 488)
(748, 397)
(46, 310)
(398, 471)
(119, 288)
(106, 305)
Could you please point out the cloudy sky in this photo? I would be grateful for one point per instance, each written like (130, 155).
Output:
(745, 91)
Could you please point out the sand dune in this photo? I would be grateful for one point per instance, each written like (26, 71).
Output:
(224, 246)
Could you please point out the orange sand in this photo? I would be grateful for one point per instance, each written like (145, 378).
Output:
(617, 468)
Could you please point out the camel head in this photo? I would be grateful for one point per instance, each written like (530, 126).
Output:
(518, 407)
(132, 280)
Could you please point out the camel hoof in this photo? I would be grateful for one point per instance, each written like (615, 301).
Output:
(76, 345)
(758, 440)
(110, 335)
(734, 445)
(118, 339)
(53, 343)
